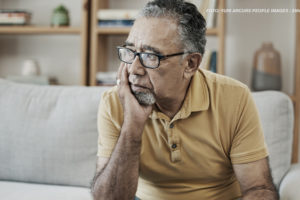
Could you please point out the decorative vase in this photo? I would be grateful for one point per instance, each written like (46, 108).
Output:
(266, 74)
(30, 68)
(60, 16)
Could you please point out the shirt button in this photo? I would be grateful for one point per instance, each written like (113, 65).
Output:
(171, 125)
(174, 146)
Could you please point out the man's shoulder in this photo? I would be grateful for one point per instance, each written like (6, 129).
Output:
(110, 104)
(225, 91)
(111, 95)
(224, 83)
(111, 99)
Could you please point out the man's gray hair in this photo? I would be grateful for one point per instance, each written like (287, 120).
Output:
(191, 24)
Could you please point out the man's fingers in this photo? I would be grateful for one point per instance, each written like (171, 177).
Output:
(119, 74)
(124, 75)
(122, 79)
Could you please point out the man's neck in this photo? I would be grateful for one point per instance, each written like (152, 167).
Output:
(170, 106)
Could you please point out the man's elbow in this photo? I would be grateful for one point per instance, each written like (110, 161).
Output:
(95, 187)
(267, 192)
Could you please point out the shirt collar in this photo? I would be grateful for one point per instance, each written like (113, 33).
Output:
(197, 99)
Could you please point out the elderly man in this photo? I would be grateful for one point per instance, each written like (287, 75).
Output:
(170, 130)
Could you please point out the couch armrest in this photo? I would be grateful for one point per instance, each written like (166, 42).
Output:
(289, 186)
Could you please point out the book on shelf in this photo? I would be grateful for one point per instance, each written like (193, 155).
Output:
(116, 14)
(116, 17)
(115, 23)
(106, 78)
(14, 17)
(209, 61)
(213, 62)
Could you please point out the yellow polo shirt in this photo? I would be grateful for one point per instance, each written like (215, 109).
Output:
(190, 156)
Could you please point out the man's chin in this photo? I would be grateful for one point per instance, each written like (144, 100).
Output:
(145, 98)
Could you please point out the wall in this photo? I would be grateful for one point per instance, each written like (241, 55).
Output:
(246, 32)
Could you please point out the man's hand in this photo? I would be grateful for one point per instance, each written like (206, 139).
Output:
(117, 176)
(133, 111)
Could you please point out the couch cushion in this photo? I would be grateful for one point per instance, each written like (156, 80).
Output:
(289, 187)
(25, 191)
(48, 134)
(276, 113)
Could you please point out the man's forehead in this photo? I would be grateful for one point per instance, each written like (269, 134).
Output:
(153, 34)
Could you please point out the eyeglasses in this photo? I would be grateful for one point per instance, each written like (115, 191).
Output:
(148, 60)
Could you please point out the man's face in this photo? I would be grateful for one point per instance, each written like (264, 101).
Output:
(156, 35)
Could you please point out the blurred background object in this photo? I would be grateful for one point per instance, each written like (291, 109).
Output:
(266, 74)
(14, 17)
(30, 68)
(60, 16)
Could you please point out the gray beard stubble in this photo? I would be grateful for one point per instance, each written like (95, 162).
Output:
(145, 98)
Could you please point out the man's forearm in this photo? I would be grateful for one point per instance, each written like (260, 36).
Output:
(118, 179)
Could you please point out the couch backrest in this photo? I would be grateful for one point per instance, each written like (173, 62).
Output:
(277, 118)
(48, 134)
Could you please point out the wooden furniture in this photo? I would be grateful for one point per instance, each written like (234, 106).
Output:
(297, 89)
(99, 37)
(82, 31)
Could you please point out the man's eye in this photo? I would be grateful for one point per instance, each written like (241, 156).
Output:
(151, 56)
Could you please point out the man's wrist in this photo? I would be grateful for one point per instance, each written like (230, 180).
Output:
(130, 122)
(133, 129)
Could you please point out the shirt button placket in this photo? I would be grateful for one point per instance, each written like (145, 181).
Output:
(174, 146)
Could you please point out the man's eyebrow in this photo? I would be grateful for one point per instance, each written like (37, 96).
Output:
(150, 48)
(145, 47)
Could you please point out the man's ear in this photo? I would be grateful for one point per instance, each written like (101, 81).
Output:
(192, 63)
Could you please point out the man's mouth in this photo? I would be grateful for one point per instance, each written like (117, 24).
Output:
(138, 88)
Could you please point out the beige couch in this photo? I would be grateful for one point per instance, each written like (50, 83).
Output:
(48, 141)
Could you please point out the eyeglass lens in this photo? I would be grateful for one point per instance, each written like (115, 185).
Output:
(147, 59)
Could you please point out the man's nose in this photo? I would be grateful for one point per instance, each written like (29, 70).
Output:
(136, 67)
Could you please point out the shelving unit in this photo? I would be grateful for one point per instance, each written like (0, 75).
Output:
(39, 30)
(99, 39)
(297, 90)
(125, 31)
(82, 31)
(221, 36)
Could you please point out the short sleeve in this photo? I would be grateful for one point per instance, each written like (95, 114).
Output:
(248, 143)
(108, 126)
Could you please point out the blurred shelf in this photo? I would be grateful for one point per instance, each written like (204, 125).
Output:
(212, 32)
(39, 30)
(125, 31)
(113, 30)
(293, 98)
(104, 84)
